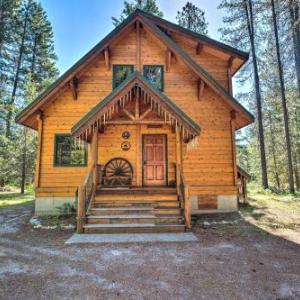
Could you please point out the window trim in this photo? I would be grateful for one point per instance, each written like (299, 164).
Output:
(114, 72)
(55, 164)
(162, 75)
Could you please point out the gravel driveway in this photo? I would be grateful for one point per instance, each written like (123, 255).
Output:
(230, 261)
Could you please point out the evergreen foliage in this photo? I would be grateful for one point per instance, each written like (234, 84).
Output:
(27, 65)
(149, 6)
(192, 18)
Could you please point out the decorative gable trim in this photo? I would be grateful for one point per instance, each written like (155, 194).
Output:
(135, 88)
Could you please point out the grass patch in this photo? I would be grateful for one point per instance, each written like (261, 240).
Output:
(13, 199)
(273, 211)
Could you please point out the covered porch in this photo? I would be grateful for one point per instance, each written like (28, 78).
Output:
(136, 138)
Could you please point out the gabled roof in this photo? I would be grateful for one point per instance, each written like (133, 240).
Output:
(136, 79)
(145, 19)
(203, 38)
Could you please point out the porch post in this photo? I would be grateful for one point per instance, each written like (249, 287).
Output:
(94, 153)
(139, 156)
(39, 150)
(178, 159)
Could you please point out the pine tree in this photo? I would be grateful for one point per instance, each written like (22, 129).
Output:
(192, 18)
(284, 102)
(149, 6)
(240, 31)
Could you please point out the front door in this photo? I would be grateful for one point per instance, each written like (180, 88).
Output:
(154, 156)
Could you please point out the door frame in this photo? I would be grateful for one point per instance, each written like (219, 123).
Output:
(165, 137)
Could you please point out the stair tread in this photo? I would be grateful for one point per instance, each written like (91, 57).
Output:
(127, 225)
(135, 208)
(131, 216)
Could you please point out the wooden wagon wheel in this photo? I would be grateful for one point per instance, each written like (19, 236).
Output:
(118, 171)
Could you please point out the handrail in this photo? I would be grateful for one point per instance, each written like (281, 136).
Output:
(86, 193)
(183, 194)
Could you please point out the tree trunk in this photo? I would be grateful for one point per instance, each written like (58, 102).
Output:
(24, 158)
(294, 15)
(17, 75)
(250, 25)
(274, 152)
(284, 104)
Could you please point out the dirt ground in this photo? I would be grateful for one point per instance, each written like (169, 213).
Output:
(233, 259)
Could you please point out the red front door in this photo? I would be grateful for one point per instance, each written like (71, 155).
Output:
(154, 155)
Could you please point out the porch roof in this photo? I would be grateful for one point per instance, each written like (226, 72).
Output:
(102, 112)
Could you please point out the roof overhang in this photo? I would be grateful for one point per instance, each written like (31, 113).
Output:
(135, 88)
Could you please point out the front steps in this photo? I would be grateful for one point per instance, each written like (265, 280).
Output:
(135, 211)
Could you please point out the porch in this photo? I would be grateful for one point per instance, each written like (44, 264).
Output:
(135, 182)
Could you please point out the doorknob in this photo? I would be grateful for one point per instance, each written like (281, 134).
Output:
(145, 162)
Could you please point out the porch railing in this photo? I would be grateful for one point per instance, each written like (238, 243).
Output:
(183, 194)
(86, 194)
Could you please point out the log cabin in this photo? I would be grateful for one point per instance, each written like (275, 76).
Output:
(140, 132)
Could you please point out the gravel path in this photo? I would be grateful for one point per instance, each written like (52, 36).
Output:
(229, 262)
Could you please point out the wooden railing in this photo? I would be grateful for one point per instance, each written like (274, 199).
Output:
(183, 194)
(86, 194)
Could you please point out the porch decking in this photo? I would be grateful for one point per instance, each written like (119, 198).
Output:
(134, 210)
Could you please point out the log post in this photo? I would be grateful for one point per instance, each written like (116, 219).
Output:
(232, 127)
(178, 160)
(94, 153)
(39, 150)
(80, 209)
(187, 208)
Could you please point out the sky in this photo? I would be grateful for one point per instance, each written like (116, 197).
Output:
(80, 24)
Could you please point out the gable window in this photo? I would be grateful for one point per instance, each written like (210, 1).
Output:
(67, 153)
(120, 73)
(154, 73)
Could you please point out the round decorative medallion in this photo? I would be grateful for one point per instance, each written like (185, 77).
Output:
(125, 146)
(125, 135)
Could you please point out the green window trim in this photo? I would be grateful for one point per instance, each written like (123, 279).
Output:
(117, 68)
(159, 86)
(58, 161)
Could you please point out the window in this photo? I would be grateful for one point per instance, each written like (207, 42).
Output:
(155, 75)
(67, 153)
(120, 73)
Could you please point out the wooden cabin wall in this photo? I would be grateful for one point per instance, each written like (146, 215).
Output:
(207, 168)
(109, 146)
(214, 65)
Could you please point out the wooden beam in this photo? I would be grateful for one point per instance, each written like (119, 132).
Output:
(139, 165)
(199, 48)
(39, 150)
(135, 122)
(137, 104)
(144, 114)
(168, 59)
(74, 85)
(233, 145)
(94, 155)
(129, 114)
(201, 86)
(229, 73)
(138, 46)
(106, 57)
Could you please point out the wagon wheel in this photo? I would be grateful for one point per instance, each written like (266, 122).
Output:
(118, 171)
